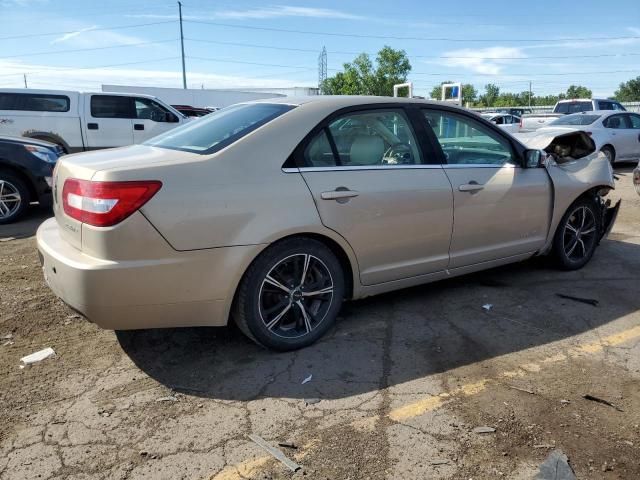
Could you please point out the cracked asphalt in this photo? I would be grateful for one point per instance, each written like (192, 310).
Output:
(402, 381)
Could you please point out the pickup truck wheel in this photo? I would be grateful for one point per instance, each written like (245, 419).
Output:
(610, 153)
(14, 197)
(291, 294)
(577, 235)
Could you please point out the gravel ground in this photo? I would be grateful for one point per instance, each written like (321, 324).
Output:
(402, 381)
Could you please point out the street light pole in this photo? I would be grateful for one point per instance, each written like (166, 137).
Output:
(184, 71)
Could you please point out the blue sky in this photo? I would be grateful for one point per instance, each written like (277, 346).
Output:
(251, 44)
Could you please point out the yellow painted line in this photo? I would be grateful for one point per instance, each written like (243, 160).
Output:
(431, 403)
(250, 467)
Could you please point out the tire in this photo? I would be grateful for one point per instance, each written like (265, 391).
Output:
(610, 153)
(14, 197)
(576, 240)
(277, 310)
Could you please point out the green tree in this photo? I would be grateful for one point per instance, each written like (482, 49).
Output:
(578, 91)
(491, 94)
(362, 77)
(629, 91)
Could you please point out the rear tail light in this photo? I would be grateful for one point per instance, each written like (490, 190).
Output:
(104, 204)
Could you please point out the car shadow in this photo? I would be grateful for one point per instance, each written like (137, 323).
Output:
(402, 336)
(29, 224)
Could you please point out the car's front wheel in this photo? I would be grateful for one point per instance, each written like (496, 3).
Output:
(14, 197)
(577, 235)
(291, 294)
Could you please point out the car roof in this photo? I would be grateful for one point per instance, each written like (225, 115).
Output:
(72, 92)
(342, 101)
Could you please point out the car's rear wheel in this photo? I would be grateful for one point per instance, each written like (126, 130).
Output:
(610, 153)
(291, 294)
(577, 235)
(14, 197)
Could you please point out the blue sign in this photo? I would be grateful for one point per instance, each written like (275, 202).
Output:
(454, 92)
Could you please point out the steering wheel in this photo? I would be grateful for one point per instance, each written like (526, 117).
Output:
(399, 153)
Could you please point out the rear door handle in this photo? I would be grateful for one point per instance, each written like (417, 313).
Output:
(92, 126)
(470, 187)
(339, 194)
(138, 126)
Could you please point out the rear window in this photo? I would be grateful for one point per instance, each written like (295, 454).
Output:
(575, 120)
(34, 102)
(220, 129)
(573, 107)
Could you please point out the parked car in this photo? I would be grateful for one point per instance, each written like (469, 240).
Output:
(189, 111)
(274, 212)
(84, 121)
(616, 134)
(535, 121)
(507, 122)
(515, 111)
(26, 167)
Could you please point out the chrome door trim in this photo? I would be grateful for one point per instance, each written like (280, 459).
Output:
(360, 167)
(480, 165)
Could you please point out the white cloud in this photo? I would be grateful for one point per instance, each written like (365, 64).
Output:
(69, 36)
(263, 13)
(44, 76)
(491, 60)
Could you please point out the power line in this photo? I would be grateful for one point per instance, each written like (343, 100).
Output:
(440, 57)
(424, 39)
(54, 52)
(116, 27)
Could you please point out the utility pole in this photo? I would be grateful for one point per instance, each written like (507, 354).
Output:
(529, 93)
(25, 80)
(184, 71)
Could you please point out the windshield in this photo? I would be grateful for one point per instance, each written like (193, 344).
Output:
(578, 119)
(214, 132)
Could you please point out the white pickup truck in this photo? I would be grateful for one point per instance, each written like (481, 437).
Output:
(80, 121)
(534, 121)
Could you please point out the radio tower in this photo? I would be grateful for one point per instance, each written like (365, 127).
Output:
(322, 69)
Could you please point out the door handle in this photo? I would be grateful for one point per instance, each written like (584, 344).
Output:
(339, 194)
(138, 126)
(92, 126)
(470, 187)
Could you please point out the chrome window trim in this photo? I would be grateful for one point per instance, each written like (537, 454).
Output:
(481, 165)
(360, 167)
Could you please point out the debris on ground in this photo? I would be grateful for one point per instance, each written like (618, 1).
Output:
(543, 445)
(311, 401)
(275, 453)
(565, 402)
(288, 445)
(556, 467)
(308, 379)
(8, 336)
(487, 306)
(520, 389)
(600, 400)
(7, 239)
(170, 398)
(38, 356)
(484, 430)
(442, 461)
(588, 301)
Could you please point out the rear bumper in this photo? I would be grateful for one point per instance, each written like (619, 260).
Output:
(185, 289)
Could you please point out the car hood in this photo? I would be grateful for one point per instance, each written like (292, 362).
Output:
(27, 141)
(565, 144)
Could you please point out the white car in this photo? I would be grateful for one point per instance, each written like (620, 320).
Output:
(615, 133)
(505, 121)
(79, 121)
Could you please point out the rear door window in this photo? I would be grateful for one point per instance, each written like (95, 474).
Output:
(112, 106)
(34, 102)
(616, 122)
(634, 119)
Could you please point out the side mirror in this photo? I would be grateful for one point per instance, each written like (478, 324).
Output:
(534, 158)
